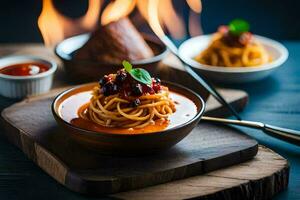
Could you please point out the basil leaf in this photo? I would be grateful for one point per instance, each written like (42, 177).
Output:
(127, 66)
(238, 26)
(138, 74)
(141, 75)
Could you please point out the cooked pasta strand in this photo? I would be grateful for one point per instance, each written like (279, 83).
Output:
(114, 110)
(220, 54)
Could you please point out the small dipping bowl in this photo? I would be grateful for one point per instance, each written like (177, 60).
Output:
(132, 143)
(14, 86)
(87, 70)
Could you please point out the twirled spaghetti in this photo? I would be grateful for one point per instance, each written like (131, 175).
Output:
(121, 109)
(233, 51)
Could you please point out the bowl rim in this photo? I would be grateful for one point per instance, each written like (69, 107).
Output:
(66, 56)
(283, 56)
(93, 133)
(16, 59)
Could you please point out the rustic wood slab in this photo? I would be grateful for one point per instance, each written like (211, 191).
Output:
(260, 178)
(207, 148)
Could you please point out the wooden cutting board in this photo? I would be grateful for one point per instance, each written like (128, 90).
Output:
(30, 126)
(260, 178)
(41, 141)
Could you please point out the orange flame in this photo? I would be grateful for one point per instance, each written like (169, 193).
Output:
(116, 10)
(55, 27)
(153, 18)
(195, 5)
(170, 19)
(162, 14)
(167, 16)
(194, 17)
(142, 6)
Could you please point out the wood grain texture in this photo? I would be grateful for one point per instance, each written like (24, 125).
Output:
(243, 181)
(208, 147)
(49, 163)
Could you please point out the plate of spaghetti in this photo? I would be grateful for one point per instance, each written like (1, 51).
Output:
(233, 54)
(128, 112)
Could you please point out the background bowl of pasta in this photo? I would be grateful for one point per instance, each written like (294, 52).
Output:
(237, 73)
(121, 141)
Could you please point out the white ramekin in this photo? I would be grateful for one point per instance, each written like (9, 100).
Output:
(22, 86)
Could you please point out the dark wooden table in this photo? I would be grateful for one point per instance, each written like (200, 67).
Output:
(275, 100)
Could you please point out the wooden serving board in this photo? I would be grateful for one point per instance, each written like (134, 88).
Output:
(260, 178)
(30, 126)
(209, 147)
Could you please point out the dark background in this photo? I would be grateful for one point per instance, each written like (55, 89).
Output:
(272, 18)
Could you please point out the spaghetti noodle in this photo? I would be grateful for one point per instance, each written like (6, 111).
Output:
(229, 50)
(129, 103)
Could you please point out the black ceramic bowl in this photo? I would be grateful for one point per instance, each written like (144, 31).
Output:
(128, 144)
(87, 70)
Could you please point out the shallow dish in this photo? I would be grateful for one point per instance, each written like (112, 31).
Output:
(22, 86)
(87, 70)
(192, 47)
(128, 144)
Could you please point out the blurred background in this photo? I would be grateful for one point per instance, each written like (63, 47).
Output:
(272, 18)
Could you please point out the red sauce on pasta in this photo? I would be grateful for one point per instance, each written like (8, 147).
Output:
(69, 108)
(24, 69)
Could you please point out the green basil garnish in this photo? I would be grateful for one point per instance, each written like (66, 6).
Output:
(238, 26)
(138, 74)
(141, 75)
(127, 66)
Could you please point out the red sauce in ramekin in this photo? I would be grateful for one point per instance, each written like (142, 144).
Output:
(24, 69)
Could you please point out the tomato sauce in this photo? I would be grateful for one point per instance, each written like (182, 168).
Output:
(24, 69)
(68, 110)
(159, 125)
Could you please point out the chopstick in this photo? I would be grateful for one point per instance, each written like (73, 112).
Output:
(171, 46)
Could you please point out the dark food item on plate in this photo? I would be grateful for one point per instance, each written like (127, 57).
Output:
(115, 42)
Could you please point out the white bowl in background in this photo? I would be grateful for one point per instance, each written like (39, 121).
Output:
(189, 49)
(22, 86)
